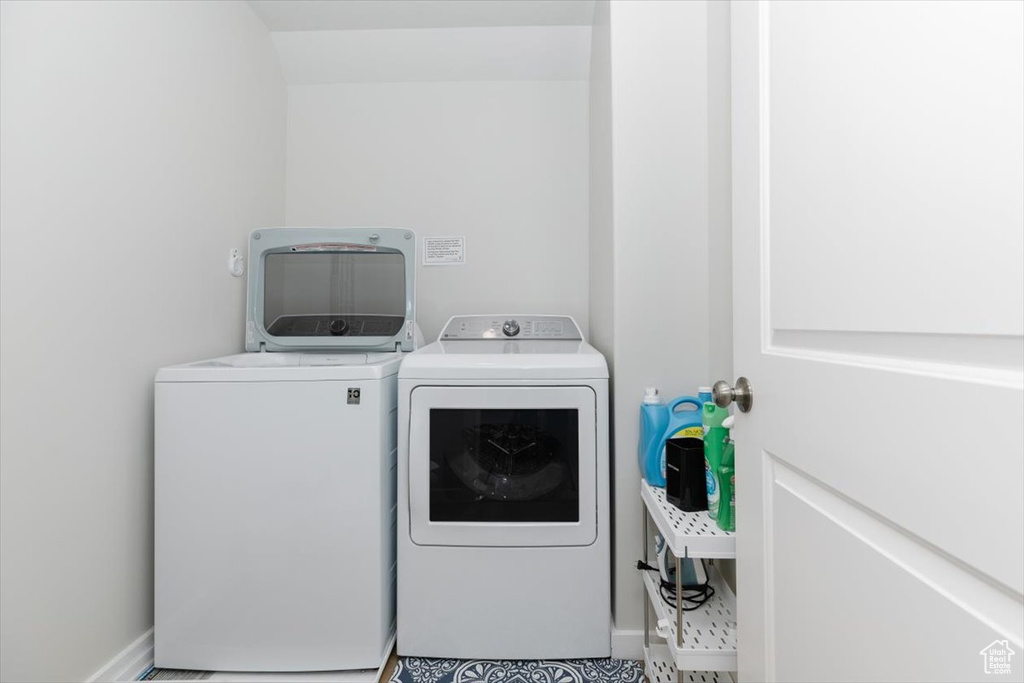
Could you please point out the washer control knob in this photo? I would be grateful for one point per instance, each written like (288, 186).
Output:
(339, 327)
(510, 328)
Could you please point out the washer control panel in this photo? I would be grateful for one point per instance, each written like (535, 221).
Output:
(500, 327)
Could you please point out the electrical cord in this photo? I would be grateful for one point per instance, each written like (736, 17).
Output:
(692, 598)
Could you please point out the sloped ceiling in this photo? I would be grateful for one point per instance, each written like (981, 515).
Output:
(381, 41)
(353, 15)
(500, 53)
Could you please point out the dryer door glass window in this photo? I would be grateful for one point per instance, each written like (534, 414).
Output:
(325, 294)
(506, 465)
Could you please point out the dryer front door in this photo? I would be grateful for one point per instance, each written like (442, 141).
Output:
(503, 466)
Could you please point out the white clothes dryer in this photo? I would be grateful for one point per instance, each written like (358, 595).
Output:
(275, 472)
(503, 478)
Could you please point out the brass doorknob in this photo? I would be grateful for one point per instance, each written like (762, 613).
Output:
(741, 394)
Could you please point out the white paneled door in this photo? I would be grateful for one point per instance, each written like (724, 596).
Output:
(878, 161)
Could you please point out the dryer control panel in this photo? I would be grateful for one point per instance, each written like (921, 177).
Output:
(501, 327)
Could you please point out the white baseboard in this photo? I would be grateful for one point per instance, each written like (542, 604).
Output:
(131, 663)
(628, 644)
(137, 658)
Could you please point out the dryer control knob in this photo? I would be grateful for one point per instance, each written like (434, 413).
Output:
(510, 328)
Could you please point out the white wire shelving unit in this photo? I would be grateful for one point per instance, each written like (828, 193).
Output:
(698, 645)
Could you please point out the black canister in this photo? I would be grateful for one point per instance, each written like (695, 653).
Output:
(685, 478)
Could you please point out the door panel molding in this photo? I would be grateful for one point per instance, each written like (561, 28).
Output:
(990, 360)
(969, 350)
(848, 611)
(892, 173)
(768, 465)
(764, 76)
(993, 604)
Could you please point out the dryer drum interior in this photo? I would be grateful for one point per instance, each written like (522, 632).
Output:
(513, 465)
(509, 461)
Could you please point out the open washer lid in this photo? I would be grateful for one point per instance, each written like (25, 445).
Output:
(330, 289)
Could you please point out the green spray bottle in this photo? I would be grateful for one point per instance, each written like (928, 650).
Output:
(714, 443)
(727, 480)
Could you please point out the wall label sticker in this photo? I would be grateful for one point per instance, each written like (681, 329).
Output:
(444, 251)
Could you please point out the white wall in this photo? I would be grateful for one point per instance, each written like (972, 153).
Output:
(661, 154)
(139, 141)
(602, 257)
(502, 163)
(659, 144)
(494, 53)
(719, 64)
(603, 299)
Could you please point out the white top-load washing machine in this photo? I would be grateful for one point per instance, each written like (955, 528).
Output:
(503, 540)
(275, 472)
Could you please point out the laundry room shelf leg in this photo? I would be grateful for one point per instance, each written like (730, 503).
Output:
(647, 610)
(647, 605)
(679, 602)
(679, 611)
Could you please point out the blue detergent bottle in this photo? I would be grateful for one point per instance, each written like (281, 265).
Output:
(653, 422)
(682, 424)
(659, 423)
